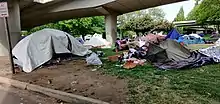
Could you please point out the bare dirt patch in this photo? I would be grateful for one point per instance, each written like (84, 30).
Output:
(78, 78)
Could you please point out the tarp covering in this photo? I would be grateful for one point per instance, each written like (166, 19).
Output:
(169, 54)
(39, 47)
(195, 60)
(97, 41)
(217, 43)
(173, 34)
(195, 35)
(190, 39)
(174, 50)
(213, 51)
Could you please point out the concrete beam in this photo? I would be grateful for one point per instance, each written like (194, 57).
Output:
(102, 10)
(81, 4)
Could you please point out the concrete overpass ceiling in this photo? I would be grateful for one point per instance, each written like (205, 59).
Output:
(81, 4)
(39, 6)
(125, 6)
(53, 17)
(34, 14)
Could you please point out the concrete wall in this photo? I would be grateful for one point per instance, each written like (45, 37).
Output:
(3, 39)
(14, 27)
(14, 23)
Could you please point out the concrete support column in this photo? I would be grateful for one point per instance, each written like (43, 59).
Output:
(111, 27)
(14, 23)
(14, 28)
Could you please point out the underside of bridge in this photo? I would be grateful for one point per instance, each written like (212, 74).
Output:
(26, 14)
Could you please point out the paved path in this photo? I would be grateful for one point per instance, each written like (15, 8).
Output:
(11, 95)
(13, 98)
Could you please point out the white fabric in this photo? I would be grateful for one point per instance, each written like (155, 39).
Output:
(96, 41)
(38, 48)
(213, 51)
(93, 59)
(195, 35)
(141, 43)
(217, 43)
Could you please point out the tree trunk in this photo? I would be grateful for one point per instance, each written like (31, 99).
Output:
(143, 32)
(137, 32)
(218, 28)
(83, 36)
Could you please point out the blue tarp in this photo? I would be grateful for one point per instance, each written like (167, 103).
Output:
(192, 40)
(173, 34)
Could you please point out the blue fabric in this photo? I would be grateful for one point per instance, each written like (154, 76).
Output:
(192, 40)
(80, 40)
(173, 34)
(180, 39)
(201, 34)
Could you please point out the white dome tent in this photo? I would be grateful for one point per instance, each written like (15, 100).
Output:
(39, 47)
(97, 41)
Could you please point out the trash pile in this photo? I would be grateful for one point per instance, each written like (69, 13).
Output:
(163, 52)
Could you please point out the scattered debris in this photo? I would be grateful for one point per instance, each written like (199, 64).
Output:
(94, 69)
(93, 93)
(129, 65)
(100, 53)
(74, 82)
(93, 59)
(119, 65)
(74, 90)
(114, 58)
(133, 62)
(49, 81)
(52, 67)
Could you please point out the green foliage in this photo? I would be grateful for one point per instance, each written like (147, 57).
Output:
(197, 2)
(193, 14)
(180, 16)
(140, 24)
(143, 21)
(130, 33)
(209, 10)
(157, 14)
(79, 26)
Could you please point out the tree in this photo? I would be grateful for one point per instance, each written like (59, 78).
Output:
(140, 24)
(76, 27)
(197, 2)
(180, 16)
(193, 14)
(209, 10)
(142, 21)
(125, 18)
(157, 14)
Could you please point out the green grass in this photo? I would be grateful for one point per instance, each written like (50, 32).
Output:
(148, 85)
(207, 37)
(198, 46)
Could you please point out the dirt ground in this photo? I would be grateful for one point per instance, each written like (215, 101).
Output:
(77, 78)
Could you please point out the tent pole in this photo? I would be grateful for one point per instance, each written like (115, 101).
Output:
(9, 44)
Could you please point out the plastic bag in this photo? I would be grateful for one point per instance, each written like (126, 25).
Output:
(93, 59)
